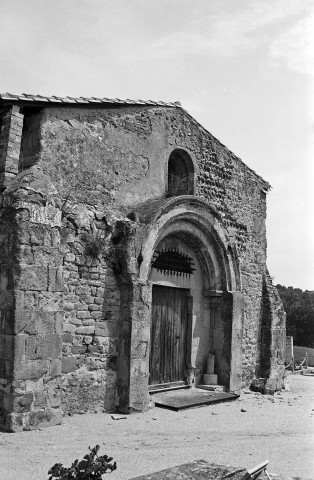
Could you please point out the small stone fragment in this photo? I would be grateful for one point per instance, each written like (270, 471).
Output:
(118, 417)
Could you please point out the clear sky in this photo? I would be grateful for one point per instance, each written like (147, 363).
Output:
(243, 68)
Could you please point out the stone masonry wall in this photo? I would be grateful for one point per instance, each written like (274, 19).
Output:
(7, 302)
(108, 166)
(31, 313)
(120, 156)
(91, 306)
(273, 308)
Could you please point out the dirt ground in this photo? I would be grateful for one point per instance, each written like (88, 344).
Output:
(243, 432)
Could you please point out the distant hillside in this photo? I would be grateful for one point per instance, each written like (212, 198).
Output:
(299, 307)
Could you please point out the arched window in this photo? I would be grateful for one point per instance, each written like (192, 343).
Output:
(180, 174)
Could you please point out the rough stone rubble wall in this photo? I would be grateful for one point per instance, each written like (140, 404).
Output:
(91, 307)
(275, 324)
(135, 144)
(106, 166)
(238, 194)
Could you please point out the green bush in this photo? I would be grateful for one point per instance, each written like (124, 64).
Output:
(92, 467)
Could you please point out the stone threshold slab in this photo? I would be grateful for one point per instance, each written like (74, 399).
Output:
(183, 399)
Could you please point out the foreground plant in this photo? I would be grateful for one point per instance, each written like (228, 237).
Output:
(92, 467)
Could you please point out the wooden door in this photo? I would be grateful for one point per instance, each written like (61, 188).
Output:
(169, 328)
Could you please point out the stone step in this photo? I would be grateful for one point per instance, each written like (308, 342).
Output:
(165, 387)
(213, 388)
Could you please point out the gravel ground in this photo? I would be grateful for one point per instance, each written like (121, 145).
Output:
(243, 432)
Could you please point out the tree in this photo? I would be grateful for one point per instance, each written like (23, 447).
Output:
(299, 307)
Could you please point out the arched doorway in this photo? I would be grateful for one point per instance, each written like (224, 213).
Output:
(177, 288)
(188, 231)
(191, 314)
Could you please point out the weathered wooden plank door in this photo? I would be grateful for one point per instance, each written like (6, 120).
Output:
(169, 328)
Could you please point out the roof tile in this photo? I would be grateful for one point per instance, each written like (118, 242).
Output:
(79, 100)
(9, 96)
(55, 99)
(25, 97)
(84, 100)
(28, 96)
(69, 100)
(40, 98)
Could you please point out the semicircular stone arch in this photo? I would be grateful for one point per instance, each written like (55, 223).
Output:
(193, 220)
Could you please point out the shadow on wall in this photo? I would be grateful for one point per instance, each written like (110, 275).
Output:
(107, 336)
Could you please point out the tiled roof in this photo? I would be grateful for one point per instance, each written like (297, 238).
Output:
(24, 97)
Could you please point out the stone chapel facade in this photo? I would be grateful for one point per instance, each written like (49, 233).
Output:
(133, 244)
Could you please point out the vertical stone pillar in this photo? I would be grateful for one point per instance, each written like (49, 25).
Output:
(220, 342)
(215, 303)
(7, 308)
(31, 322)
(123, 363)
(226, 336)
(133, 362)
(277, 336)
(236, 342)
(140, 335)
(10, 144)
